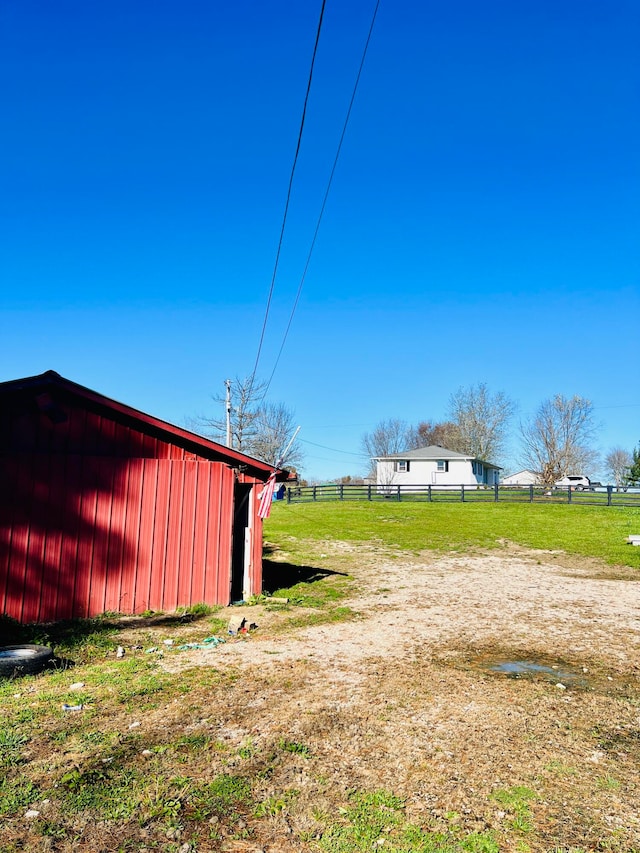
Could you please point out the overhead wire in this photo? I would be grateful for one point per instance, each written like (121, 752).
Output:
(334, 449)
(288, 199)
(326, 196)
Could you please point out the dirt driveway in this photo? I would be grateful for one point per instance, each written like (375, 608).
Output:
(418, 694)
(541, 602)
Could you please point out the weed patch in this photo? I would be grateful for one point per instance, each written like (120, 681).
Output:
(517, 801)
(11, 744)
(222, 797)
(108, 794)
(16, 793)
(295, 748)
(373, 821)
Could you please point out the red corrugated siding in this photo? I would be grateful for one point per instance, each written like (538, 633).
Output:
(212, 546)
(113, 535)
(160, 533)
(100, 510)
(223, 533)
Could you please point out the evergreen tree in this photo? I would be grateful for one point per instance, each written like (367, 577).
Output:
(633, 474)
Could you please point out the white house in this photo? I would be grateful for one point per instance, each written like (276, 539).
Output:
(521, 478)
(434, 466)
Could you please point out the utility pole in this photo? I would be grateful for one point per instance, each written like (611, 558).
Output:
(227, 382)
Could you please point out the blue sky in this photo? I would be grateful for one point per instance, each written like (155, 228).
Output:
(483, 224)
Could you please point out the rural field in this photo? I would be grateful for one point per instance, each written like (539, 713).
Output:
(431, 678)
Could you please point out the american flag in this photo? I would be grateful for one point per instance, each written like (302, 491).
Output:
(267, 496)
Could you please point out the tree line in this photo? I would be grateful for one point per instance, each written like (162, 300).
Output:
(557, 440)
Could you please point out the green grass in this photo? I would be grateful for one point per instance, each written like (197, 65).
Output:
(581, 530)
(294, 747)
(377, 820)
(516, 802)
(16, 793)
(198, 610)
(313, 594)
(11, 746)
(320, 617)
(226, 793)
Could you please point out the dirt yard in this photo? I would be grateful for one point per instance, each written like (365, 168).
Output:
(410, 696)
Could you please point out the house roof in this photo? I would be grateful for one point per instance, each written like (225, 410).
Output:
(51, 382)
(433, 451)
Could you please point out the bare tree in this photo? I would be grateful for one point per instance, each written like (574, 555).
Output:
(557, 440)
(618, 462)
(245, 399)
(274, 427)
(390, 436)
(444, 434)
(481, 419)
(259, 429)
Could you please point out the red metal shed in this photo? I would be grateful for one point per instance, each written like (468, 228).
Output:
(104, 508)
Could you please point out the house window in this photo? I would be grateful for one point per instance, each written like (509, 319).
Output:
(478, 469)
(402, 466)
(443, 465)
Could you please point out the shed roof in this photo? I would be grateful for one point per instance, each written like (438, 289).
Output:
(51, 382)
(433, 451)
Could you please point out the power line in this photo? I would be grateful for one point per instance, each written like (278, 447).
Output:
(334, 449)
(326, 195)
(321, 458)
(286, 207)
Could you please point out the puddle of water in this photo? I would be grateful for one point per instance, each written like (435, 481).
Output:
(519, 668)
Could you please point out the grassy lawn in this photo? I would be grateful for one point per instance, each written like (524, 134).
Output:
(185, 758)
(581, 530)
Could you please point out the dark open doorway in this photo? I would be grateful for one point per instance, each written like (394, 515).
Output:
(241, 495)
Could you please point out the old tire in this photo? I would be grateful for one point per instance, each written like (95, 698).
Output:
(23, 660)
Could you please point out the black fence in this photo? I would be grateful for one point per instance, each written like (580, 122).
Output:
(606, 496)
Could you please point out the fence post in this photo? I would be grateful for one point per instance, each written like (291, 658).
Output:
(314, 493)
(288, 496)
(462, 492)
(530, 493)
(569, 494)
(429, 489)
(495, 489)
(399, 492)
(369, 492)
(341, 492)
(609, 492)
